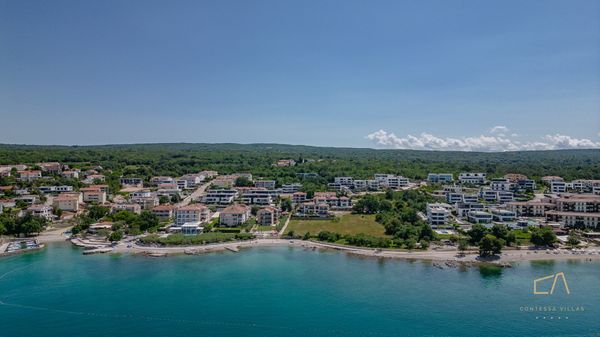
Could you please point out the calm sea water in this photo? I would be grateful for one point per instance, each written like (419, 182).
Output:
(284, 292)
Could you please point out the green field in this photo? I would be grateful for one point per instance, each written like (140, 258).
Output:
(347, 224)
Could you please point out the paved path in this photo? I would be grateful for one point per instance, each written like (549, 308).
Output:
(285, 225)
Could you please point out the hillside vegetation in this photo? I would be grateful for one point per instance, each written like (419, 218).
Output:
(176, 159)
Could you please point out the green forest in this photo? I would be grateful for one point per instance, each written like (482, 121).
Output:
(175, 159)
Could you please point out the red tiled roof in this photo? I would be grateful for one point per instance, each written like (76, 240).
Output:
(235, 209)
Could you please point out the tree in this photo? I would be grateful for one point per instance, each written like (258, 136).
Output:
(477, 232)
(543, 236)
(148, 220)
(57, 211)
(463, 245)
(490, 245)
(573, 239)
(243, 182)
(510, 238)
(254, 210)
(286, 204)
(306, 236)
(500, 231)
(369, 204)
(410, 243)
(115, 236)
(97, 212)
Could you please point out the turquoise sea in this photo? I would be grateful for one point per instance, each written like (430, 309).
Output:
(284, 291)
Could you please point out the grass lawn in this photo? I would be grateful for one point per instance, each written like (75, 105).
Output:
(347, 224)
(522, 237)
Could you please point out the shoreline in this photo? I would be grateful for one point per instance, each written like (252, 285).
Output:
(444, 256)
(452, 256)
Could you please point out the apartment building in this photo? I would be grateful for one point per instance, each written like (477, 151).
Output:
(158, 180)
(496, 196)
(268, 184)
(146, 199)
(480, 217)
(164, 212)
(208, 174)
(530, 208)
(579, 203)
(575, 219)
(558, 186)
(267, 216)
(191, 213)
(42, 211)
(463, 209)
(55, 189)
(514, 177)
(291, 188)
(93, 194)
(391, 181)
(67, 202)
(366, 185)
(191, 180)
(139, 182)
(29, 175)
(94, 178)
(51, 167)
(503, 215)
(221, 197)
(168, 189)
(285, 162)
(525, 184)
(500, 184)
(332, 200)
(472, 178)
(72, 174)
(298, 197)
(134, 208)
(344, 181)
(313, 209)
(257, 197)
(440, 178)
(234, 215)
(438, 214)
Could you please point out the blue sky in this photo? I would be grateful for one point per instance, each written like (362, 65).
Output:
(399, 74)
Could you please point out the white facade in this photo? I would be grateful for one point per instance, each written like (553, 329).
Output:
(438, 214)
(473, 178)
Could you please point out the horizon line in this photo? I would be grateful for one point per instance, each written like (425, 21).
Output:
(282, 144)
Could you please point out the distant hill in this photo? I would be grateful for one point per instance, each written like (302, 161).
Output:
(178, 158)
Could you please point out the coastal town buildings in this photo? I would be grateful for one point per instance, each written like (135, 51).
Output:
(134, 208)
(29, 175)
(438, 214)
(267, 216)
(191, 213)
(234, 215)
(164, 212)
(440, 178)
(472, 178)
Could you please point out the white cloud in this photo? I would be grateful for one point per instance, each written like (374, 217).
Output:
(494, 143)
(499, 129)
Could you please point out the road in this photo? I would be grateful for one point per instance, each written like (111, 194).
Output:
(197, 193)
